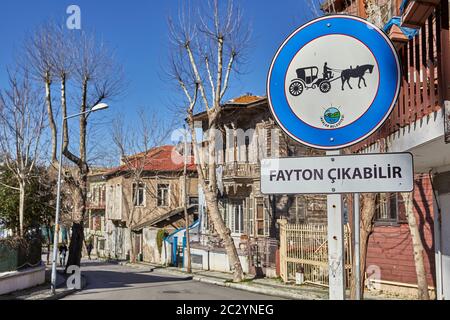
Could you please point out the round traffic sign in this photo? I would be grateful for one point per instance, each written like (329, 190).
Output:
(334, 82)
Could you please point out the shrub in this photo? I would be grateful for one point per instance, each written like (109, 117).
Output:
(160, 238)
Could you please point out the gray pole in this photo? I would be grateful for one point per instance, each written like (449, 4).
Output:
(356, 222)
(336, 254)
(58, 205)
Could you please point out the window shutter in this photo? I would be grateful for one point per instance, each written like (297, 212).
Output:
(251, 217)
(245, 215)
(266, 218)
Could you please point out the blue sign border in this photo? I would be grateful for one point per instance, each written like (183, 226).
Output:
(380, 109)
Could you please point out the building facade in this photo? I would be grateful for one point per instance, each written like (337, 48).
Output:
(249, 134)
(418, 124)
(95, 224)
(146, 195)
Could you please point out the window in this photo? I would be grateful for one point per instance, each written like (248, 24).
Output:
(103, 194)
(139, 194)
(163, 195)
(300, 210)
(262, 219)
(247, 148)
(236, 218)
(193, 200)
(94, 195)
(389, 207)
(251, 217)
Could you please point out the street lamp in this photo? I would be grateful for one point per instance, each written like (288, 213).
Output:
(98, 107)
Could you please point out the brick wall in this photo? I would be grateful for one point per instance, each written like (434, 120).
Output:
(390, 246)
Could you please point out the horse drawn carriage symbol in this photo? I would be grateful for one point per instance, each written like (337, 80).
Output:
(308, 78)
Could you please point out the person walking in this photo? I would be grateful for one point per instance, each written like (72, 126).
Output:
(62, 254)
(89, 249)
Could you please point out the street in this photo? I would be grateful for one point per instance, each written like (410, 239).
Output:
(115, 282)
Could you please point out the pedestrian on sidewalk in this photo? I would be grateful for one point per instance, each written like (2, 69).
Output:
(62, 254)
(89, 249)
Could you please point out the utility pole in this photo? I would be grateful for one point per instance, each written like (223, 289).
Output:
(186, 215)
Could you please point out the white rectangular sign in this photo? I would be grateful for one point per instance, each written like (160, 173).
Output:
(389, 172)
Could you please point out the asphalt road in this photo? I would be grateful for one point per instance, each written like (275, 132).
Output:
(110, 281)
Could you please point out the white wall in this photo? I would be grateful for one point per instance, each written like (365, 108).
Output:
(19, 280)
(218, 261)
(442, 237)
(150, 246)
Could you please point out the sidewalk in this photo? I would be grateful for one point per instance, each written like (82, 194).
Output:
(272, 287)
(42, 292)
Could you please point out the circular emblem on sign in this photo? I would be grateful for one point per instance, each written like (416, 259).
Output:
(333, 82)
(332, 118)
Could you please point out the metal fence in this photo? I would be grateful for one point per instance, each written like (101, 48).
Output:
(16, 254)
(304, 247)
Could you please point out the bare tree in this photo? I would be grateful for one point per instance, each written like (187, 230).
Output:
(87, 75)
(367, 217)
(21, 122)
(208, 46)
(423, 293)
(136, 145)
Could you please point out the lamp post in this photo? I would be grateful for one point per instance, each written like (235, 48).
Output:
(98, 107)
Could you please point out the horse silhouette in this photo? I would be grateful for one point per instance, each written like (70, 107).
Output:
(358, 72)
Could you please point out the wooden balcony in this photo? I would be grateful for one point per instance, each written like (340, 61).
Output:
(240, 170)
(96, 205)
(421, 82)
(417, 12)
(236, 170)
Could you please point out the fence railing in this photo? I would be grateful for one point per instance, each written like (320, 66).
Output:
(18, 253)
(421, 80)
(305, 247)
(237, 169)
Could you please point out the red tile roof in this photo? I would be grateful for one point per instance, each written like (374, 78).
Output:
(159, 159)
(245, 99)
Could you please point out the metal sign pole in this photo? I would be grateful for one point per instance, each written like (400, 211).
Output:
(356, 221)
(336, 264)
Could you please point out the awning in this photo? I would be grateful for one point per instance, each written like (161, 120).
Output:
(165, 219)
(409, 32)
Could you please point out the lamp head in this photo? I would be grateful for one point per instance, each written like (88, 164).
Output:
(100, 106)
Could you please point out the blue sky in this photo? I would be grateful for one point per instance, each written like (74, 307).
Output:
(137, 30)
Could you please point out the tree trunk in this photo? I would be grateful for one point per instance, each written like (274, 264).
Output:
(21, 207)
(51, 120)
(367, 219)
(186, 215)
(76, 245)
(213, 208)
(132, 251)
(422, 284)
(77, 236)
(225, 235)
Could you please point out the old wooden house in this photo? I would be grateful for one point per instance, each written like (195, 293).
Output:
(249, 134)
(144, 195)
(95, 223)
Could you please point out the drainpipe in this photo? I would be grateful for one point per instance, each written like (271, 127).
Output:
(208, 261)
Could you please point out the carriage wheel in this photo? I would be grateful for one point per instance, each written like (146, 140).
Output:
(296, 88)
(325, 86)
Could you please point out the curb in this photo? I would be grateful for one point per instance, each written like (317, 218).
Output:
(65, 292)
(257, 288)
